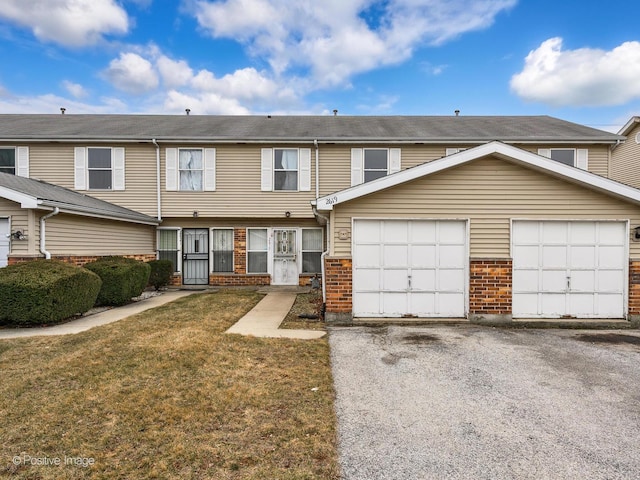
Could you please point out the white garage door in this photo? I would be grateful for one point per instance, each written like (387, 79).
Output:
(569, 269)
(409, 268)
(4, 241)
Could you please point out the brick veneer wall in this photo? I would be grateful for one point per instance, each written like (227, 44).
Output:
(80, 260)
(634, 288)
(339, 301)
(490, 286)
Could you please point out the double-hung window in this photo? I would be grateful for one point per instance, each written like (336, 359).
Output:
(311, 250)
(14, 160)
(168, 246)
(574, 157)
(222, 250)
(257, 250)
(99, 168)
(368, 164)
(285, 170)
(190, 169)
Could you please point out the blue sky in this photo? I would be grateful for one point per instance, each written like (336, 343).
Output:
(579, 61)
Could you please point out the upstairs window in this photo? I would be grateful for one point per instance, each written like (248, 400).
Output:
(574, 157)
(99, 168)
(285, 170)
(191, 168)
(15, 161)
(368, 164)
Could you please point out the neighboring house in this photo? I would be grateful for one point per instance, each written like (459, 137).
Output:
(479, 217)
(625, 156)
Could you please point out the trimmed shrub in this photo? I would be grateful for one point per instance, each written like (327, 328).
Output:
(122, 279)
(45, 291)
(161, 273)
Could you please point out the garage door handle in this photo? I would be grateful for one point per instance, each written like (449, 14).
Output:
(409, 281)
(568, 283)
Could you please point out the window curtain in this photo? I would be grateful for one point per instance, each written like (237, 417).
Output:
(190, 165)
(286, 166)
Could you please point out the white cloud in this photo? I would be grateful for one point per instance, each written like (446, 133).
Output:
(75, 89)
(584, 77)
(174, 73)
(204, 103)
(132, 73)
(49, 103)
(336, 39)
(73, 23)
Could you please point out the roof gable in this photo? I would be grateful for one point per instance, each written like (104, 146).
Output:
(498, 149)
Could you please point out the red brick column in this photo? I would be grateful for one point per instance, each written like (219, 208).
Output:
(240, 250)
(634, 289)
(338, 282)
(490, 289)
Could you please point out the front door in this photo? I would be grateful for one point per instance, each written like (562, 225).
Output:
(4, 241)
(285, 260)
(195, 256)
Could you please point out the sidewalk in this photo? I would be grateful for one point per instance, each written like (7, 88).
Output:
(265, 318)
(102, 318)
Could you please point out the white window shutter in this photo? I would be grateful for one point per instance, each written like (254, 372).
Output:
(357, 159)
(209, 169)
(266, 170)
(451, 151)
(304, 174)
(117, 157)
(394, 160)
(22, 161)
(582, 158)
(544, 152)
(171, 169)
(80, 168)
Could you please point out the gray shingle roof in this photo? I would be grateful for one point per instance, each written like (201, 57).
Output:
(68, 200)
(428, 129)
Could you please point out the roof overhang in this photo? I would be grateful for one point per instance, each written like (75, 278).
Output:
(498, 149)
(630, 125)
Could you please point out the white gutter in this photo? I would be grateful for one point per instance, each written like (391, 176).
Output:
(153, 140)
(324, 254)
(46, 254)
(315, 143)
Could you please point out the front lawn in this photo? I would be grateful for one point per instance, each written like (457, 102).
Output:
(166, 394)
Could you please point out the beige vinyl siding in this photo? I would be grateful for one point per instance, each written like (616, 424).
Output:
(54, 163)
(625, 160)
(489, 192)
(75, 235)
(237, 191)
(18, 220)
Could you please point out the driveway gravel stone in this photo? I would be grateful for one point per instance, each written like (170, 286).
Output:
(467, 402)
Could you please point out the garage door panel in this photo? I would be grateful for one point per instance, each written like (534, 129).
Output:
(612, 233)
(583, 281)
(554, 256)
(367, 279)
(450, 304)
(395, 232)
(526, 232)
(394, 280)
(611, 257)
(526, 280)
(610, 281)
(423, 302)
(526, 304)
(583, 233)
(423, 232)
(368, 231)
(582, 305)
(583, 257)
(395, 256)
(451, 280)
(423, 255)
(367, 303)
(555, 232)
(452, 232)
(554, 281)
(367, 256)
(554, 304)
(526, 256)
(423, 279)
(610, 305)
(394, 304)
(452, 256)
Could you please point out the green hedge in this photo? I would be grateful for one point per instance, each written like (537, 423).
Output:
(45, 291)
(161, 273)
(122, 279)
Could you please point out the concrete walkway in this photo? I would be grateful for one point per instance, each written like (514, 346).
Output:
(102, 318)
(265, 318)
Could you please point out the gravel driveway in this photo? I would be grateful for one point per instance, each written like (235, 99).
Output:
(469, 402)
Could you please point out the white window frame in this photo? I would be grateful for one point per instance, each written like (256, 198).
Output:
(269, 232)
(276, 170)
(233, 250)
(178, 232)
(268, 170)
(172, 169)
(453, 151)
(181, 170)
(302, 251)
(580, 156)
(357, 163)
(20, 160)
(81, 168)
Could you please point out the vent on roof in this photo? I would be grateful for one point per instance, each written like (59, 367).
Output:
(457, 112)
(62, 110)
(188, 110)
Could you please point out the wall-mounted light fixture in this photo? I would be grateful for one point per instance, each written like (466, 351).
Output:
(287, 214)
(636, 235)
(195, 214)
(18, 235)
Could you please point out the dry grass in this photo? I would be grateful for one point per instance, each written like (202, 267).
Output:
(167, 395)
(309, 304)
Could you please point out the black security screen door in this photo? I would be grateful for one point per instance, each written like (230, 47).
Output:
(195, 256)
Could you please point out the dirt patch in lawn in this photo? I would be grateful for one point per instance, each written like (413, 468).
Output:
(166, 394)
(306, 312)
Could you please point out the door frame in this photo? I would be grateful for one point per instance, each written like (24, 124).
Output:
(467, 246)
(625, 221)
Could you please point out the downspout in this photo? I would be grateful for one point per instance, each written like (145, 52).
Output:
(43, 241)
(315, 143)
(153, 140)
(324, 254)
